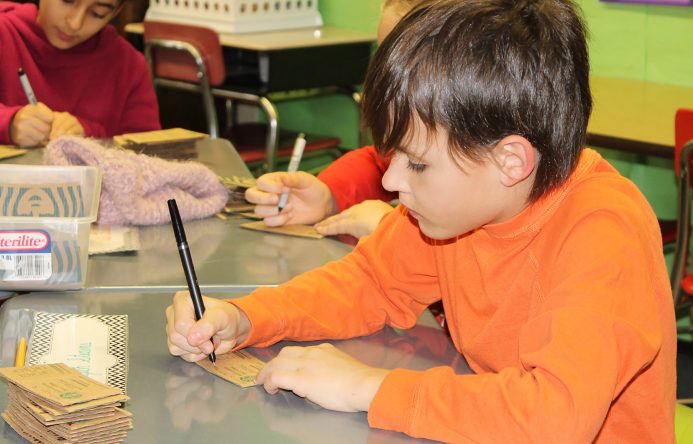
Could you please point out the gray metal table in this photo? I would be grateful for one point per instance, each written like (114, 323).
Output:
(177, 402)
(225, 256)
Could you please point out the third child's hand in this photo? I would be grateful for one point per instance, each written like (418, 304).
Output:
(223, 322)
(358, 221)
(65, 124)
(310, 199)
(31, 125)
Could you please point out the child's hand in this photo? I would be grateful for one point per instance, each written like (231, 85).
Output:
(31, 125)
(358, 221)
(190, 339)
(65, 124)
(310, 200)
(325, 375)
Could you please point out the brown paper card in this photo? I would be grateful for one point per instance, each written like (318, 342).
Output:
(237, 181)
(239, 367)
(158, 137)
(46, 418)
(250, 215)
(61, 385)
(306, 231)
(9, 151)
(239, 208)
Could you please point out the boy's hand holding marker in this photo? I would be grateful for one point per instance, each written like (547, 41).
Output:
(221, 323)
(322, 373)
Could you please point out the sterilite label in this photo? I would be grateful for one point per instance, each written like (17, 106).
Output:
(25, 255)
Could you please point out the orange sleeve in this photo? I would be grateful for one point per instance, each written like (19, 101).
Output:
(596, 328)
(372, 286)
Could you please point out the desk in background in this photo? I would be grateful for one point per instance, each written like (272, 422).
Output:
(174, 401)
(264, 67)
(265, 62)
(225, 255)
(635, 116)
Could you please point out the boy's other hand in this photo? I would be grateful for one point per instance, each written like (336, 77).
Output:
(325, 375)
(310, 200)
(31, 125)
(65, 124)
(358, 221)
(221, 322)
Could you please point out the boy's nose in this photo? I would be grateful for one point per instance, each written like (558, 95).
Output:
(394, 178)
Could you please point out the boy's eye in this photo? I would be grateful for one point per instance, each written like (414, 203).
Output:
(416, 167)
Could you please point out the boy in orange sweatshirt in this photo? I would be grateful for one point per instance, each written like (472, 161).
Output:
(547, 261)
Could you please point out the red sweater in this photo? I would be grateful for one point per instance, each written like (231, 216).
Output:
(357, 176)
(104, 82)
(564, 312)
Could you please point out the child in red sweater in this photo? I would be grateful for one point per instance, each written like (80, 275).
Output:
(347, 197)
(87, 79)
(549, 263)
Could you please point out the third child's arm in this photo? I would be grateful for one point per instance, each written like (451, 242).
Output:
(357, 176)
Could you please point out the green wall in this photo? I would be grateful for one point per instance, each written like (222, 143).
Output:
(648, 42)
(644, 42)
(333, 115)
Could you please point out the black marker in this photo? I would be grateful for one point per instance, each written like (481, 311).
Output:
(188, 268)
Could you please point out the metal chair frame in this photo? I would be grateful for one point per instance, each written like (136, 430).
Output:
(208, 93)
(684, 223)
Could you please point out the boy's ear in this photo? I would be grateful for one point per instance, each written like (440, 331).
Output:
(516, 159)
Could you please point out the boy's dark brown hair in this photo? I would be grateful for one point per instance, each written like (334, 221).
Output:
(482, 70)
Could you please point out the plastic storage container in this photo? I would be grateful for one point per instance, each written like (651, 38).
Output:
(45, 217)
(238, 16)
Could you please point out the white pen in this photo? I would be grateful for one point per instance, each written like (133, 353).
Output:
(296, 155)
(27, 87)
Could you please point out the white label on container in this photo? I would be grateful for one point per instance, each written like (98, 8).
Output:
(25, 255)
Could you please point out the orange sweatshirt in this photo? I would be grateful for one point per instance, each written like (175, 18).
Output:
(564, 312)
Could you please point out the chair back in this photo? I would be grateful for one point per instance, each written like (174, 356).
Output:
(186, 57)
(683, 129)
(683, 153)
(177, 51)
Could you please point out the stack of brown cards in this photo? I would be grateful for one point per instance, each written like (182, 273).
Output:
(54, 403)
(172, 143)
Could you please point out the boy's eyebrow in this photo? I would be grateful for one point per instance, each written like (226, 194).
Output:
(407, 151)
(105, 5)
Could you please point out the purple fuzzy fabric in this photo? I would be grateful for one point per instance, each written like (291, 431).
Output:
(135, 187)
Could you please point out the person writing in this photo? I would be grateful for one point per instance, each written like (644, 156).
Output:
(549, 263)
(345, 198)
(86, 78)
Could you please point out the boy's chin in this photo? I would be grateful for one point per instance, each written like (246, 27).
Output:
(436, 233)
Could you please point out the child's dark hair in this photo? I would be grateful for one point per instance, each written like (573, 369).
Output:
(482, 70)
